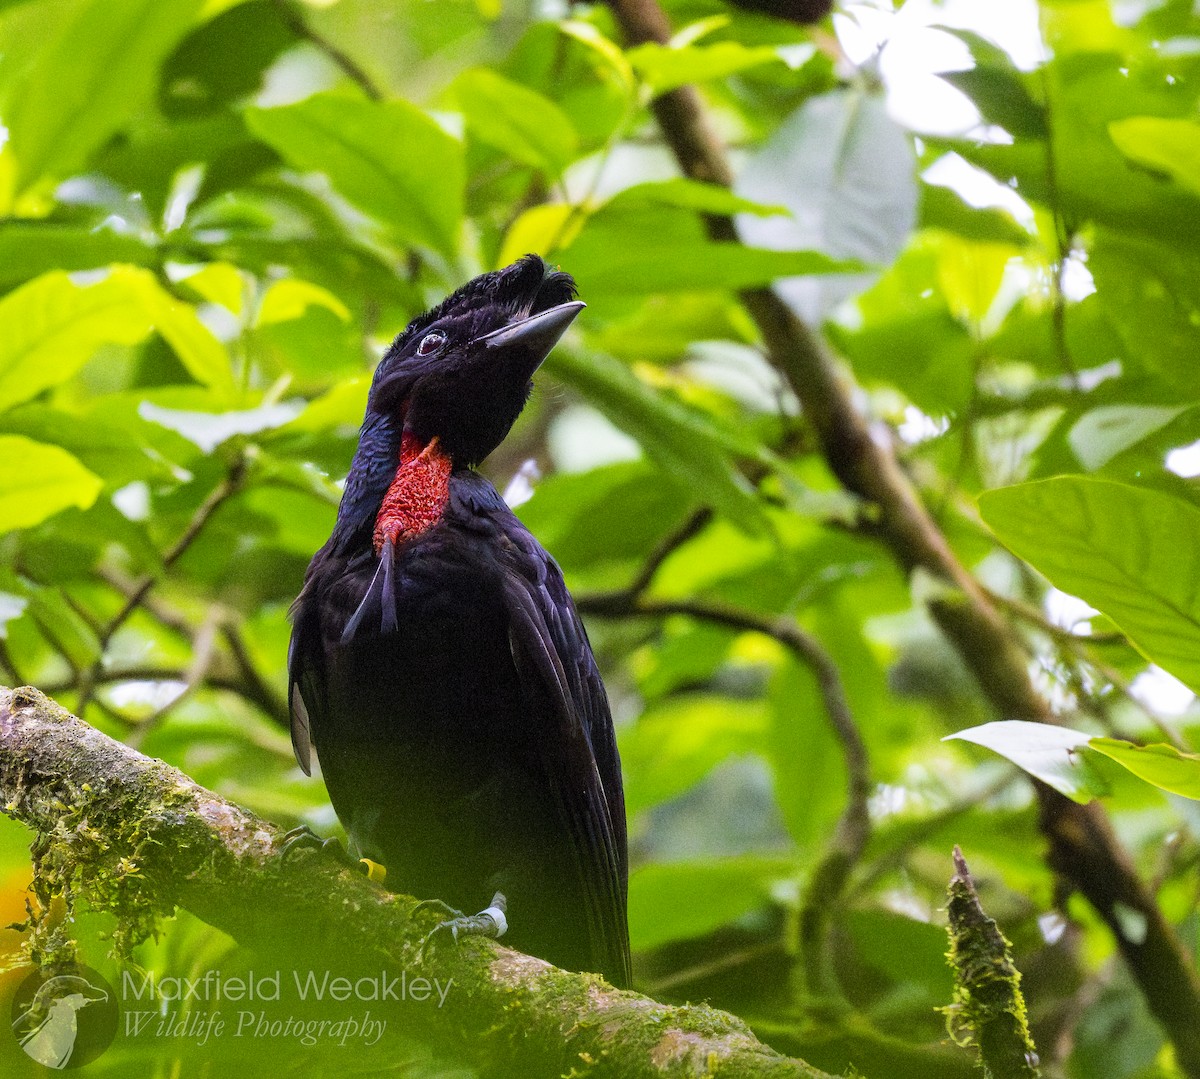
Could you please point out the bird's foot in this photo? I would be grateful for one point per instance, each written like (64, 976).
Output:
(304, 836)
(487, 923)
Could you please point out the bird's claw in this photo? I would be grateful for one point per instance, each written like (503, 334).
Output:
(440, 907)
(303, 836)
(487, 923)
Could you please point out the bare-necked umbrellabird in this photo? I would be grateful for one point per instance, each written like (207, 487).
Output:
(437, 663)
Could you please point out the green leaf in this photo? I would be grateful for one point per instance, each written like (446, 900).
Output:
(114, 451)
(615, 512)
(997, 87)
(1095, 181)
(290, 298)
(1149, 293)
(52, 327)
(198, 350)
(911, 952)
(1132, 553)
(688, 899)
(88, 73)
(944, 208)
(905, 335)
(341, 407)
(1051, 754)
(547, 228)
(516, 120)
(676, 744)
(38, 481)
(388, 158)
(685, 442)
(220, 283)
(663, 67)
(224, 60)
(806, 759)
(28, 249)
(692, 195)
(65, 627)
(1162, 765)
(611, 262)
(1167, 146)
(608, 53)
(1001, 97)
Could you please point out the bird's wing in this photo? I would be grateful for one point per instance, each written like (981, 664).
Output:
(307, 698)
(561, 683)
(339, 590)
(305, 683)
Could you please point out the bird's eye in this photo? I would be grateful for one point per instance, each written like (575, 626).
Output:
(431, 342)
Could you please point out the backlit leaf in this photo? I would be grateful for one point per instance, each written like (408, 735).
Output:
(1052, 754)
(1162, 765)
(38, 481)
(1131, 552)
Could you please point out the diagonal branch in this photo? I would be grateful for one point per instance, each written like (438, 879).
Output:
(216, 498)
(136, 837)
(1082, 844)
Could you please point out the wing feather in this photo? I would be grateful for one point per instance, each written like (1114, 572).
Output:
(555, 665)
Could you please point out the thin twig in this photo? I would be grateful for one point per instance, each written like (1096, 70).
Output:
(718, 965)
(203, 650)
(252, 685)
(6, 662)
(229, 486)
(690, 528)
(298, 26)
(249, 683)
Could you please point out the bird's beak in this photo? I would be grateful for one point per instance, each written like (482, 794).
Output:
(535, 336)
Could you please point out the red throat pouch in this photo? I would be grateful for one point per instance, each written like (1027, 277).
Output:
(418, 495)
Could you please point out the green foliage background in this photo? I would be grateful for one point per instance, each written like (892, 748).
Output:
(217, 213)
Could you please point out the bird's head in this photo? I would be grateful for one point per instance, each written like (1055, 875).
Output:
(462, 372)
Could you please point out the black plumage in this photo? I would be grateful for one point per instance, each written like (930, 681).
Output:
(437, 663)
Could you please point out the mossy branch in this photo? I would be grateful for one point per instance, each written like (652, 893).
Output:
(988, 1009)
(136, 837)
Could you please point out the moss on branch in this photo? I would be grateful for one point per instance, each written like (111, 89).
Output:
(136, 837)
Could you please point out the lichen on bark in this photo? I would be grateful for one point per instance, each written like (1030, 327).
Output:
(988, 1010)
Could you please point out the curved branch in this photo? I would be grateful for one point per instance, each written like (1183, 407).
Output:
(134, 836)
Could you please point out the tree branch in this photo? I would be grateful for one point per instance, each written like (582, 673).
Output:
(136, 837)
(350, 67)
(1082, 844)
(217, 497)
(989, 1008)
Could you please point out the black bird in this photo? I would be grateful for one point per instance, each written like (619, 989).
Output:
(437, 662)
